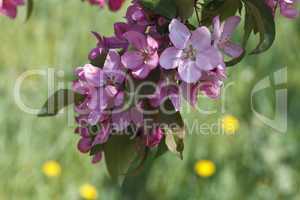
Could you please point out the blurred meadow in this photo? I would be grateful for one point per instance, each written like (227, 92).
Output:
(252, 162)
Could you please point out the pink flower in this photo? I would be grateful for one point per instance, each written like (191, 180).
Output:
(210, 85)
(165, 91)
(115, 5)
(193, 53)
(103, 134)
(112, 74)
(99, 3)
(153, 139)
(136, 15)
(223, 32)
(121, 120)
(84, 145)
(144, 57)
(97, 157)
(287, 7)
(104, 44)
(9, 7)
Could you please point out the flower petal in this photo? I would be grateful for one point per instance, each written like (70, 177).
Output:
(230, 25)
(209, 59)
(218, 28)
(142, 73)
(113, 61)
(171, 58)
(132, 59)
(152, 61)
(189, 72)
(152, 43)
(201, 38)
(138, 40)
(233, 50)
(179, 34)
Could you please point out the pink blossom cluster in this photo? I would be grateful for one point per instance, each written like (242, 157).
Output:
(9, 7)
(188, 61)
(287, 7)
(113, 5)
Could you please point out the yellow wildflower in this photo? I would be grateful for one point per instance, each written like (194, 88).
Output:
(88, 192)
(205, 168)
(230, 124)
(51, 168)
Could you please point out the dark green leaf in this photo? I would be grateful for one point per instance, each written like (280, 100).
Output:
(119, 153)
(222, 8)
(185, 8)
(259, 19)
(60, 99)
(166, 8)
(30, 5)
(143, 87)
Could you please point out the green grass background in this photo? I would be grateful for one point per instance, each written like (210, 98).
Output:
(256, 163)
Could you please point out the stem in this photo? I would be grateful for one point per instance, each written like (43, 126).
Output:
(197, 13)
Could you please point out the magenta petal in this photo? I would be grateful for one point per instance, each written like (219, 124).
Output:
(152, 61)
(102, 136)
(93, 75)
(152, 43)
(229, 26)
(233, 50)
(289, 12)
(153, 139)
(97, 158)
(98, 100)
(119, 99)
(136, 116)
(121, 120)
(211, 89)
(142, 73)
(189, 72)
(115, 5)
(84, 145)
(94, 117)
(179, 34)
(113, 61)
(217, 28)
(171, 58)
(111, 91)
(201, 38)
(138, 40)
(132, 59)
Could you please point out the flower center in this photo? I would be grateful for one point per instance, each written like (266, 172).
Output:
(190, 53)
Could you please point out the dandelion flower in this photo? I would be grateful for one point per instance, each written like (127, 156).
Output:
(51, 168)
(88, 192)
(230, 124)
(205, 168)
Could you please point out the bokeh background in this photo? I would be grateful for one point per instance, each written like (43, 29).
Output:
(256, 162)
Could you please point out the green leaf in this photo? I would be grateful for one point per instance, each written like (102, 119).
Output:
(171, 116)
(259, 19)
(56, 102)
(30, 5)
(166, 8)
(119, 153)
(176, 132)
(175, 143)
(185, 8)
(222, 8)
